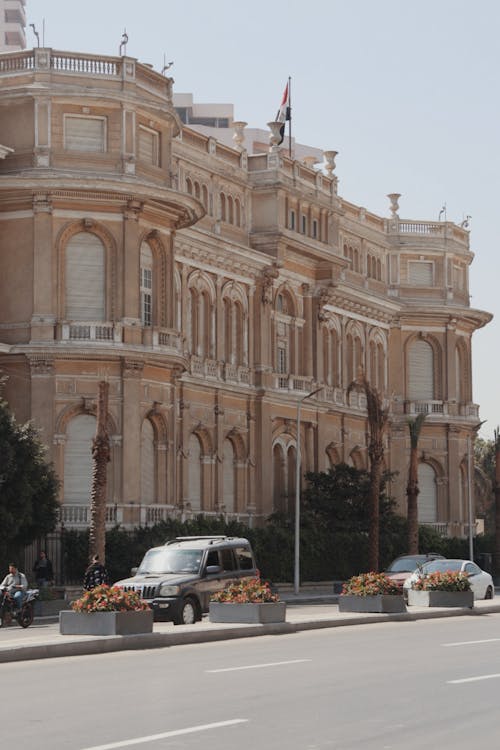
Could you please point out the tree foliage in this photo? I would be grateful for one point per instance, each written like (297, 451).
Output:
(28, 485)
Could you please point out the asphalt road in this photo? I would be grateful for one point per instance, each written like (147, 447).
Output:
(412, 685)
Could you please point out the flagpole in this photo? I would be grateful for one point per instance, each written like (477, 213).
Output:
(290, 119)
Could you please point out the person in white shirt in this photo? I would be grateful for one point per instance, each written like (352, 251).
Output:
(15, 583)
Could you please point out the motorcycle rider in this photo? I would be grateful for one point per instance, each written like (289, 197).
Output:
(15, 583)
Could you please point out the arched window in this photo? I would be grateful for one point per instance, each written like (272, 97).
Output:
(204, 197)
(78, 465)
(197, 190)
(421, 371)
(85, 278)
(146, 283)
(230, 210)
(291, 470)
(222, 207)
(229, 483)
(237, 212)
(278, 478)
(427, 497)
(189, 186)
(148, 464)
(194, 473)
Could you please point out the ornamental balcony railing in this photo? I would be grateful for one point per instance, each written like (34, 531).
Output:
(438, 408)
(77, 64)
(293, 383)
(130, 515)
(89, 331)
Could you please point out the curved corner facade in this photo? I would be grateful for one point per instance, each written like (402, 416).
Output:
(213, 289)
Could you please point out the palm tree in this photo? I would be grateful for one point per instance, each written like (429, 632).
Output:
(412, 490)
(100, 456)
(377, 423)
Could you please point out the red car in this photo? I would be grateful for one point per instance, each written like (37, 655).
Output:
(402, 567)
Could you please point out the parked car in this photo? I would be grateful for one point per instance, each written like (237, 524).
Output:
(178, 578)
(481, 582)
(402, 567)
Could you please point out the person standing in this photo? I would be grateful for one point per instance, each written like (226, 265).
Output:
(15, 583)
(43, 570)
(95, 575)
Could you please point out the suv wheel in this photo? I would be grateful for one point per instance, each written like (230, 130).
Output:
(188, 614)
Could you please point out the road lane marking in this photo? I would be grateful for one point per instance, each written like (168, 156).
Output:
(474, 679)
(471, 643)
(258, 666)
(166, 735)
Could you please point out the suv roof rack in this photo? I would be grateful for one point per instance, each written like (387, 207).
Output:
(211, 537)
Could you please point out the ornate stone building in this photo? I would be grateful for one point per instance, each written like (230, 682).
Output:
(214, 290)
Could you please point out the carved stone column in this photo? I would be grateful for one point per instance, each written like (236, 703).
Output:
(132, 331)
(42, 372)
(44, 312)
(131, 429)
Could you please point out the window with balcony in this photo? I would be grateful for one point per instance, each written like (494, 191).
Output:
(84, 278)
(427, 496)
(421, 371)
(146, 281)
(87, 134)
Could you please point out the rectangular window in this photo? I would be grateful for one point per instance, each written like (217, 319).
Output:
(282, 359)
(148, 146)
(85, 133)
(292, 220)
(315, 229)
(244, 558)
(227, 559)
(304, 224)
(146, 309)
(421, 273)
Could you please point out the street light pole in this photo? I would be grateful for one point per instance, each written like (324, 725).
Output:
(296, 575)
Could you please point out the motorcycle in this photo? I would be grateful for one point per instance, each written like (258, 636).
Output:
(23, 616)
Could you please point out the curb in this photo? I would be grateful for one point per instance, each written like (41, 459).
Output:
(110, 644)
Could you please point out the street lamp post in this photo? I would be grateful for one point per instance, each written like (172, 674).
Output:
(296, 575)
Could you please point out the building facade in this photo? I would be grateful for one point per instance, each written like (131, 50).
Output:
(12, 25)
(214, 290)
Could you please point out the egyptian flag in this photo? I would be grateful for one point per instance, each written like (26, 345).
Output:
(284, 112)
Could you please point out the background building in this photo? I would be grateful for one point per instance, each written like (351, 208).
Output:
(213, 289)
(12, 25)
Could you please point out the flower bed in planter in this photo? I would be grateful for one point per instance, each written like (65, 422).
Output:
(247, 601)
(107, 610)
(441, 589)
(371, 592)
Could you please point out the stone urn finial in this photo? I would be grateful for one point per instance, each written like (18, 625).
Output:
(329, 157)
(394, 198)
(239, 136)
(275, 135)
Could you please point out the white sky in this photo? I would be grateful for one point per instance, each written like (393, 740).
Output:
(406, 90)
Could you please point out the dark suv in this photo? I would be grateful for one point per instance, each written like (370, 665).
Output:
(178, 578)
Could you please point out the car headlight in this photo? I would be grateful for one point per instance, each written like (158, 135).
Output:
(167, 590)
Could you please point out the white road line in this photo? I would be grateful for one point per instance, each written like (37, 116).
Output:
(166, 735)
(474, 679)
(470, 643)
(258, 666)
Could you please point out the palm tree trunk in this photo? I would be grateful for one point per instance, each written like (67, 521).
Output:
(412, 491)
(100, 456)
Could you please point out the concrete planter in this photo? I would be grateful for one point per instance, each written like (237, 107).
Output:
(388, 603)
(248, 613)
(105, 623)
(440, 598)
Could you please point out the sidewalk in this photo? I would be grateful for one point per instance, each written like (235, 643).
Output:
(307, 611)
